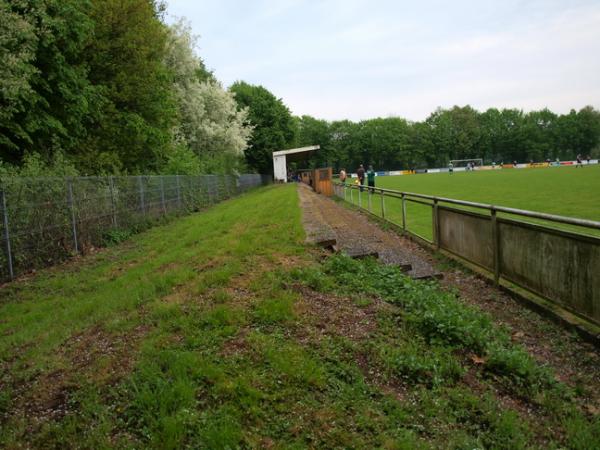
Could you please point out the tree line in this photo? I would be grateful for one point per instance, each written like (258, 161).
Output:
(107, 87)
(494, 135)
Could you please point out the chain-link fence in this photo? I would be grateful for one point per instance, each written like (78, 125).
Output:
(46, 220)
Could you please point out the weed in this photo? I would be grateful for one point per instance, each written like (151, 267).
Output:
(113, 237)
(415, 362)
(515, 363)
(581, 434)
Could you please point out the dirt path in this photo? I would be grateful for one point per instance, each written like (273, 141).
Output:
(575, 362)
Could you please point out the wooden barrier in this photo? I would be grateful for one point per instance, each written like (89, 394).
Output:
(322, 181)
(560, 266)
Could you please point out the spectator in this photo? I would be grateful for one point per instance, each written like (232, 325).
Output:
(371, 179)
(360, 173)
(343, 176)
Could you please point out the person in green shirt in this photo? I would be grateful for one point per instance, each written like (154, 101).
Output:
(371, 178)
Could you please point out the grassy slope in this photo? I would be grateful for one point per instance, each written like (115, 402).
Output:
(221, 330)
(564, 191)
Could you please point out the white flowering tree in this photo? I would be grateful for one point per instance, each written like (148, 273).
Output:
(210, 124)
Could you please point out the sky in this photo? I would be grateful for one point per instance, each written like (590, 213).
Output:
(359, 59)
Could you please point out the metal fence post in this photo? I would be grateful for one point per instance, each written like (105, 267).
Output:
(141, 188)
(7, 236)
(382, 205)
(209, 188)
(369, 200)
(496, 246)
(403, 212)
(436, 225)
(345, 192)
(178, 192)
(359, 198)
(351, 196)
(72, 209)
(162, 195)
(111, 183)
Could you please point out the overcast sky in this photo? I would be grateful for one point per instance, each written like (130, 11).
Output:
(357, 59)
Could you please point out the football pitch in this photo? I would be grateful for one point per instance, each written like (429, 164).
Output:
(565, 191)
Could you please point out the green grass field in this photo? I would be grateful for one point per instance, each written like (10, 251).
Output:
(565, 191)
(223, 330)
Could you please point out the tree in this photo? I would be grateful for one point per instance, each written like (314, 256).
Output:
(272, 122)
(210, 124)
(45, 93)
(126, 58)
(311, 131)
(422, 153)
(588, 130)
(455, 134)
(539, 135)
(343, 143)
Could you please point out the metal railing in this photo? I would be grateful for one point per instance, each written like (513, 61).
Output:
(47, 219)
(561, 265)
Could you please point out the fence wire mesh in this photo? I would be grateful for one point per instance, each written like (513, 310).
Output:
(46, 220)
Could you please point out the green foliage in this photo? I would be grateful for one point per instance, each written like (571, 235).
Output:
(116, 90)
(182, 161)
(443, 321)
(126, 63)
(517, 364)
(46, 95)
(415, 362)
(581, 436)
(34, 165)
(273, 125)
(456, 133)
(210, 125)
(113, 237)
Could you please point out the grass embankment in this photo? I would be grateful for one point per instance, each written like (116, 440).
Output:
(221, 330)
(564, 191)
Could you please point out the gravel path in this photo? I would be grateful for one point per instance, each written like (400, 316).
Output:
(325, 221)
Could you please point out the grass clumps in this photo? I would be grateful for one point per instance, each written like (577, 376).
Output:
(415, 362)
(435, 340)
(441, 319)
(277, 309)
